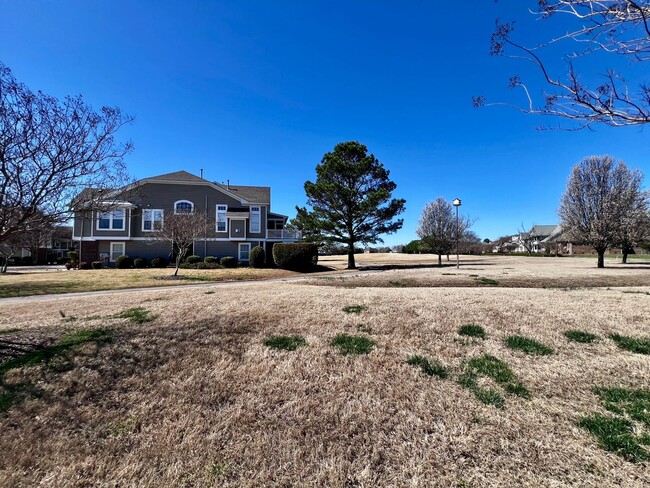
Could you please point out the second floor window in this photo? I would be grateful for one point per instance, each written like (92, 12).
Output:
(256, 219)
(222, 222)
(183, 206)
(113, 220)
(152, 219)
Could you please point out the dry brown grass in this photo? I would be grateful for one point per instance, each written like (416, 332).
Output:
(194, 398)
(61, 281)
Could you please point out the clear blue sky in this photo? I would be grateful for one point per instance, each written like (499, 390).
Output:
(257, 91)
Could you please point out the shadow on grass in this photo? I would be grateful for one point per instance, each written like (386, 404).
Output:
(56, 357)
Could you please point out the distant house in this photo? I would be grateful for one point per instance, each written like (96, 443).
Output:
(533, 241)
(240, 217)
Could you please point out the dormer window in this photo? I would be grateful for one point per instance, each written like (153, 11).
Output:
(183, 206)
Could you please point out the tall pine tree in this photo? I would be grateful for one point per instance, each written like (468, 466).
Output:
(350, 200)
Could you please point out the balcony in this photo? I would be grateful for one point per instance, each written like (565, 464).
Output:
(283, 235)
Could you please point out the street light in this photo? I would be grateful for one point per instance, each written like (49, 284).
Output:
(456, 203)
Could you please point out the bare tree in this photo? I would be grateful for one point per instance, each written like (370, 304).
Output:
(180, 231)
(437, 227)
(613, 27)
(603, 198)
(51, 150)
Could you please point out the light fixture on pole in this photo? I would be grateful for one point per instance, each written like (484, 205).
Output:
(456, 203)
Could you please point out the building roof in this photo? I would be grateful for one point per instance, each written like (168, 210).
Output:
(252, 194)
(542, 230)
(177, 176)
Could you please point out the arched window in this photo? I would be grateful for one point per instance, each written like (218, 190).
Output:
(183, 206)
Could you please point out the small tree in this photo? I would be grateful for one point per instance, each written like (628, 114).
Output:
(603, 199)
(350, 200)
(437, 227)
(50, 150)
(180, 231)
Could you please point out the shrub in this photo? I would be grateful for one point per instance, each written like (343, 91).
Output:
(257, 257)
(297, 256)
(211, 260)
(62, 260)
(201, 266)
(73, 256)
(84, 265)
(228, 262)
(97, 264)
(71, 265)
(123, 262)
(158, 263)
(140, 263)
(193, 259)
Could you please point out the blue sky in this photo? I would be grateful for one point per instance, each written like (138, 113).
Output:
(257, 91)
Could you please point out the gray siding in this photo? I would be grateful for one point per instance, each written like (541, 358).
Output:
(238, 229)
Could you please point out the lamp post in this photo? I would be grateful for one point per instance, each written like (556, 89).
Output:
(456, 203)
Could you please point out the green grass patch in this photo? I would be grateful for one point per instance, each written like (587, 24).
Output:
(616, 434)
(528, 345)
(431, 368)
(482, 280)
(580, 336)
(639, 345)
(286, 343)
(637, 292)
(635, 403)
(139, 315)
(354, 308)
(349, 344)
(10, 331)
(496, 369)
(472, 330)
(210, 292)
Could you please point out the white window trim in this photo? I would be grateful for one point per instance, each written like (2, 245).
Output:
(162, 217)
(250, 220)
(110, 227)
(216, 223)
(239, 251)
(110, 249)
(183, 201)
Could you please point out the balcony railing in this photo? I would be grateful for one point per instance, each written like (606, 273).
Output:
(283, 235)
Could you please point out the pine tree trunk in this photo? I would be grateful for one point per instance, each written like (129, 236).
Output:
(351, 263)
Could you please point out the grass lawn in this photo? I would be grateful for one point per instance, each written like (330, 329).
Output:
(251, 385)
(49, 282)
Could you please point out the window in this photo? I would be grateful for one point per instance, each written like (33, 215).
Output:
(183, 206)
(222, 221)
(244, 251)
(255, 219)
(152, 219)
(113, 220)
(117, 249)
